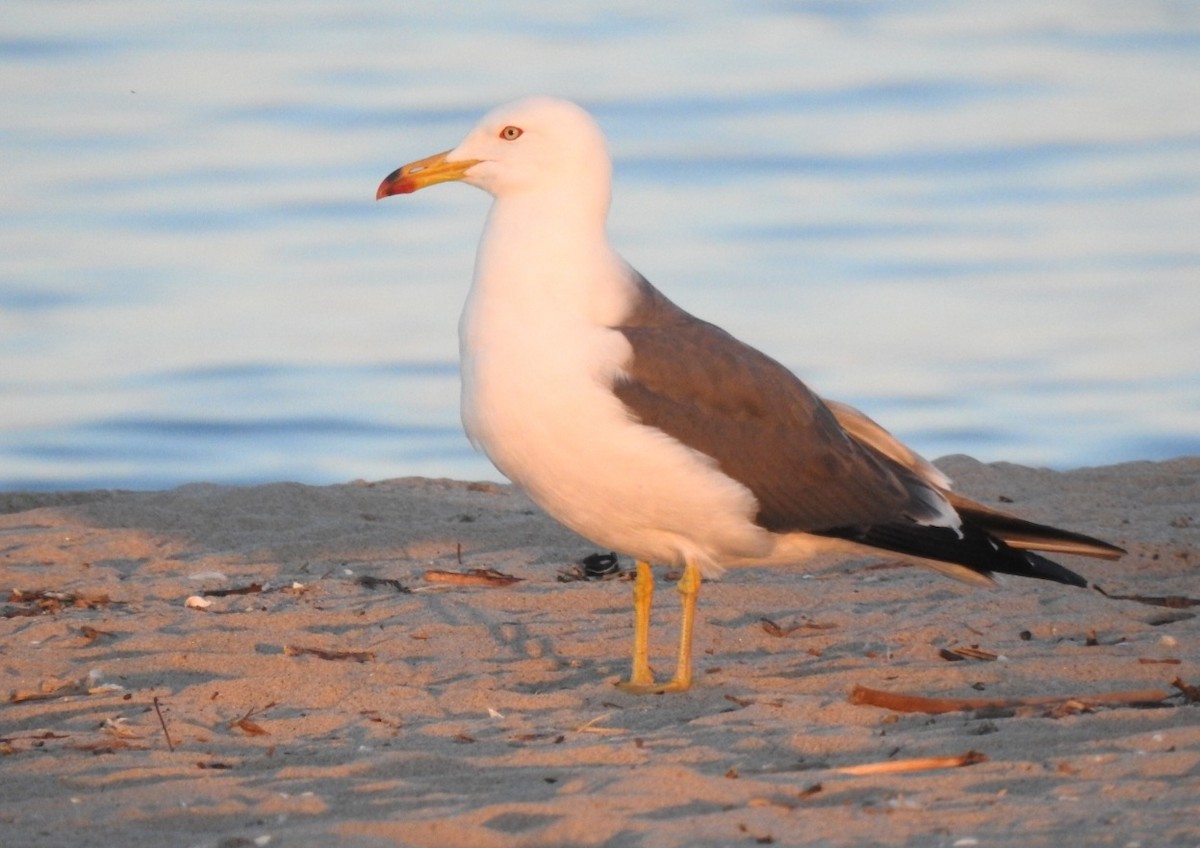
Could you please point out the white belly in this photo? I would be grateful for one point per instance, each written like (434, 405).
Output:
(536, 400)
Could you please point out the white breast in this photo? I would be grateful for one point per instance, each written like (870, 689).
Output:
(538, 364)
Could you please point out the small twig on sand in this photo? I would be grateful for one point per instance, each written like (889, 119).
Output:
(163, 722)
(590, 726)
(355, 656)
(773, 629)
(1191, 693)
(474, 577)
(1168, 601)
(970, 758)
(249, 589)
(246, 724)
(903, 703)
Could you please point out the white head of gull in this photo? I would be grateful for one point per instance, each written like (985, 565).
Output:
(656, 434)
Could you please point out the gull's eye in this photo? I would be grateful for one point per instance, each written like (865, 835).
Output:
(511, 133)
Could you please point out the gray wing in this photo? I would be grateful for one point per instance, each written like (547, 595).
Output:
(763, 426)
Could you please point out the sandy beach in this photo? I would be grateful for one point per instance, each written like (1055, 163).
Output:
(215, 666)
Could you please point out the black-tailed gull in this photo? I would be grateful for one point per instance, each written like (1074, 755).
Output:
(659, 435)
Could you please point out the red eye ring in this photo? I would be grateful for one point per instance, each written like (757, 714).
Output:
(511, 133)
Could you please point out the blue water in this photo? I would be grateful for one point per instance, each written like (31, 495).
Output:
(978, 222)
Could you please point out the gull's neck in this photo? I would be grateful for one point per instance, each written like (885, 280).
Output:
(546, 253)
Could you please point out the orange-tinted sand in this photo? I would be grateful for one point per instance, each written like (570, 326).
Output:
(466, 716)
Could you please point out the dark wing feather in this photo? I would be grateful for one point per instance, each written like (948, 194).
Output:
(1029, 535)
(972, 547)
(763, 426)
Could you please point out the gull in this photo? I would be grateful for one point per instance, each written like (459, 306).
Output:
(657, 434)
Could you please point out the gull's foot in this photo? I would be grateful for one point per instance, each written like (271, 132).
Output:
(652, 688)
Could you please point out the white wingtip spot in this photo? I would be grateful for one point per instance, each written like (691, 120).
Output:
(944, 515)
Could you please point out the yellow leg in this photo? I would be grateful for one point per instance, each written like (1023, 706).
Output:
(643, 599)
(641, 680)
(689, 592)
